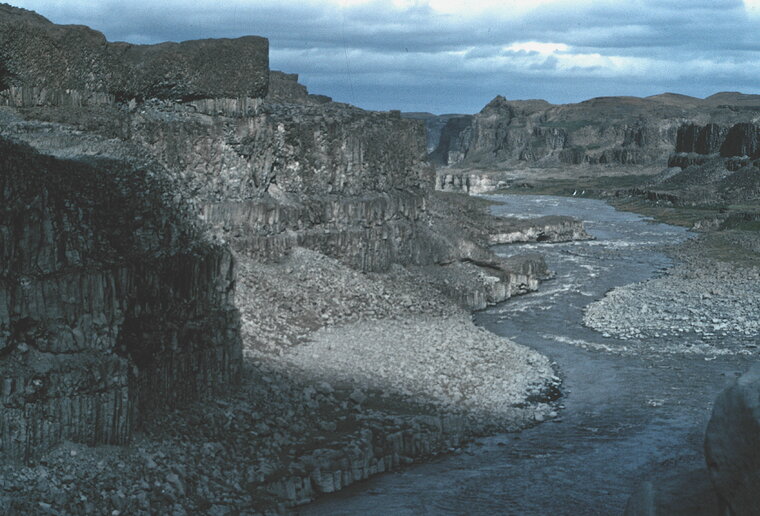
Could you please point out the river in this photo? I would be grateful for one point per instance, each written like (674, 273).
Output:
(625, 418)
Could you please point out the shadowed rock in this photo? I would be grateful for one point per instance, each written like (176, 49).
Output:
(111, 304)
(732, 445)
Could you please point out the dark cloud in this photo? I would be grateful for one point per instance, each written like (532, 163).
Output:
(381, 57)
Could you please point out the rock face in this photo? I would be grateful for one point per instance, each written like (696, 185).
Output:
(602, 131)
(284, 87)
(266, 171)
(542, 229)
(732, 445)
(111, 303)
(713, 163)
(53, 60)
(437, 128)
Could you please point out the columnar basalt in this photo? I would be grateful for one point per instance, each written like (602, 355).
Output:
(156, 138)
(112, 304)
(604, 132)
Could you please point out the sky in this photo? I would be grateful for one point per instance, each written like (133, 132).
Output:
(454, 56)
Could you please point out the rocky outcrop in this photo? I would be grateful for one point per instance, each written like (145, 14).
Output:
(266, 174)
(732, 445)
(716, 163)
(542, 229)
(112, 304)
(706, 139)
(742, 140)
(605, 131)
(685, 494)
(284, 87)
(453, 140)
(437, 128)
(60, 59)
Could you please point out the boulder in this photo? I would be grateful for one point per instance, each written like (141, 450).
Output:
(732, 445)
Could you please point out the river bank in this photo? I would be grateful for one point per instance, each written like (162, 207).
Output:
(634, 410)
(345, 375)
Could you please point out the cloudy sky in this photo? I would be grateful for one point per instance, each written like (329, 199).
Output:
(449, 56)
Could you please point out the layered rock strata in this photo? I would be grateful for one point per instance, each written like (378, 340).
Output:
(268, 171)
(606, 131)
(712, 164)
(332, 218)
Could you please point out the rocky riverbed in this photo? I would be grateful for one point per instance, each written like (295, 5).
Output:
(701, 305)
(633, 410)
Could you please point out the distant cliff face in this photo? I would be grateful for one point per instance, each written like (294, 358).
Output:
(714, 163)
(602, 131)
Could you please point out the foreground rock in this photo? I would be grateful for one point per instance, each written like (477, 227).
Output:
(112, 303)
(690, 494)
(732, 445)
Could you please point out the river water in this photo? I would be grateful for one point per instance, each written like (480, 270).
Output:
(625, 418)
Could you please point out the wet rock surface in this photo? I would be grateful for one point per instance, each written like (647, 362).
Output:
(731, 447)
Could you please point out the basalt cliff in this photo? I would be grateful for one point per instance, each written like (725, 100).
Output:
(509, 141)
(177, 220)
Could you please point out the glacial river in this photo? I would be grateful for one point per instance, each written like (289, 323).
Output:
(626, 418)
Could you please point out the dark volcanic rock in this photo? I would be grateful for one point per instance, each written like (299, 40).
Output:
(284, 87)
(605, 131)
(732, 445)
(56, 59)
(111, 304)
(742, 140)
(706, 139)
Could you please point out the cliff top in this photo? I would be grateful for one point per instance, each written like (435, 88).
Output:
(36, 52)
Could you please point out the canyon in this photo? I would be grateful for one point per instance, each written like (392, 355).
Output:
(223, 294)
(179, 222)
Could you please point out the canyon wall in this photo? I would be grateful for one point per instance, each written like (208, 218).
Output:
(714, 163)
(111, 303)
(605, 131)
(132, 175)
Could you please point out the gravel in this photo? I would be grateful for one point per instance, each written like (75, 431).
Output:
(701, 305)
(446, 361)
(345, 375)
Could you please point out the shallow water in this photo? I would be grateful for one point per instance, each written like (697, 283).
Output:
(627, 417)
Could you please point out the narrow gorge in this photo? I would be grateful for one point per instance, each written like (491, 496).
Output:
(182, 228)
(223, 294)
